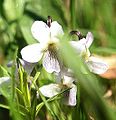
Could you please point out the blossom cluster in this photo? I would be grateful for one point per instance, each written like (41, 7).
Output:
(47, 50)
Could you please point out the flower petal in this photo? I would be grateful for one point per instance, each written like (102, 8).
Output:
(89, 39)
(58, 77)
(69, 97)
(27, 66)
(56, 29)
(96, 65)
(68, 80)
(80, 45)
(5, 86)
(40, 31)
(4, 79)
(32, 53)
(72, 95)
(83, 44)
(50, 90)
(50, 63)
(64, 72)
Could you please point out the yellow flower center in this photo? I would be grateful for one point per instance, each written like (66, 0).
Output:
(85, 55)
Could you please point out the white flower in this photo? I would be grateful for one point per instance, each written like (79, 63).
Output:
(94, 64)
(4, 84)
(50, 90)
(26, 65)
(69, 97)
(47, 36)
(4, 79)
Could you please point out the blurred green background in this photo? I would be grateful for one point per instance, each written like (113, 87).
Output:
(97, 16)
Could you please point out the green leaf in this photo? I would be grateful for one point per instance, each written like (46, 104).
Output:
(104, 50)
(4, 106)
(9, 9)
(13, 9)
(3, 72)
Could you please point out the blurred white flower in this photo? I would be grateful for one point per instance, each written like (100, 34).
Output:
(4, 79)
(47, 36)
(4, 85)
(50, 90)
(69, 96)
(94, 64)
(28, 67)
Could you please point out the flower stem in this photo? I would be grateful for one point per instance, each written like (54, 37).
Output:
(73, 13)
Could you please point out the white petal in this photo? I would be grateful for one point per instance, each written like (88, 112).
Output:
(50, 90)
(32, 53)
(58, 77)
(69, 97)
(65, 73)
(40, 31)
(4, 79)
(9, 64)
(89, 39)
(68, 80)
(83, 43)
(27, 66)
(56, 29)
(80, 45)
(97, 65)
(50, 63)
(5, 86)
(72, 95)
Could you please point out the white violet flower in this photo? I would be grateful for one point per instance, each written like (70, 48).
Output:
(47, 36)
(94, 64)
(69, 97)
(4, 79)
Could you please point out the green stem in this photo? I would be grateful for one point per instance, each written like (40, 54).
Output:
(73, 13)
(13, 75)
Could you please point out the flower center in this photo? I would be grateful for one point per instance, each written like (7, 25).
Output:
(85, 56)
(52, 50)
(52, 47)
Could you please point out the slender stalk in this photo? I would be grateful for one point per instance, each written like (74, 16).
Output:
(73, 13)
(13, 70)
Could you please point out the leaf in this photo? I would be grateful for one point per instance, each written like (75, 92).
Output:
(9, 9)
(4, 106)
(13, 9)
(104, 50)
(3, 72)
